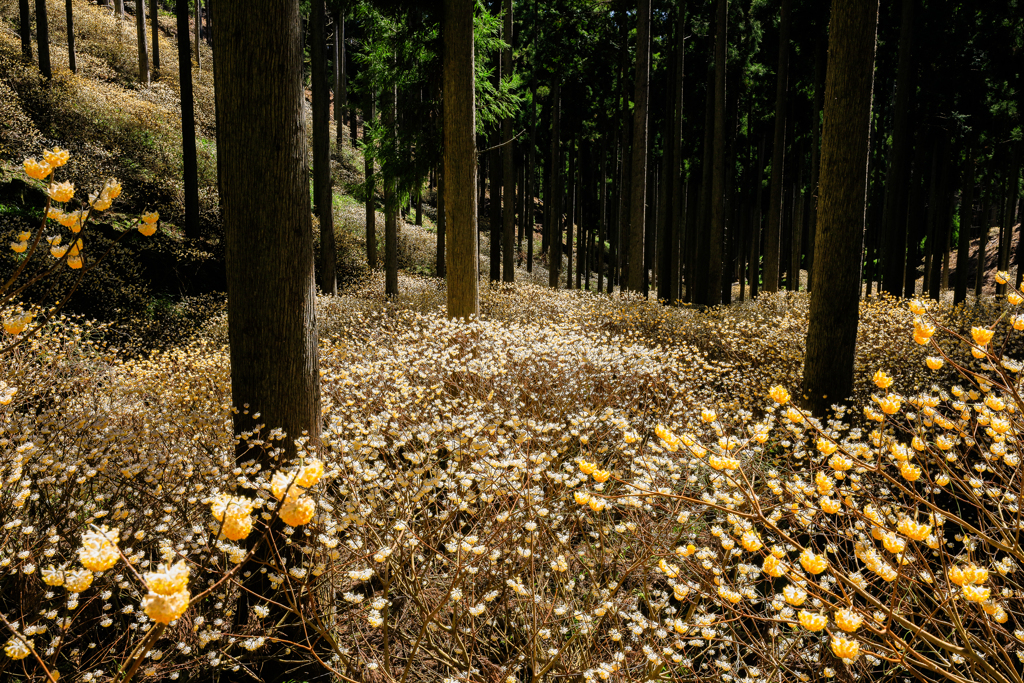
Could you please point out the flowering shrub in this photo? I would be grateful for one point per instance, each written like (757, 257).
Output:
(547, 492)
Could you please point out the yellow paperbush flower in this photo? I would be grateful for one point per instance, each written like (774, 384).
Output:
(779, 394)
(37, 169)
(814, 564)
(882, 380)
(934, 362)
(61, 192)
(982, 335)
(99, 549)
(812, 621)
(56, 157)
(845, 648)
(848, 620)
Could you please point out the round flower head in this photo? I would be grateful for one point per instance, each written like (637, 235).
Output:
(587, 467)
(53, 577)
(779, 394)
(848, 620)
(934, 362)
(77, 580)
(19, 247)
(811, 621)
(18, 648)
(282, 482)
(772, 566)
(1002, 277)
(163, 609)
(844, 648)
(56, 157)
(296, 512)
(670, 440)
(882, 380)
(982, 335)
(168, 580)
(17, 324)
(61, 192)
(37, 169)
(236, 528)
(794, 595)
(815, 564)
(913, 530)
(601, 476)
(1014, 298)
(147, 230)
(99, 549)
(750, 541)
(150, 218)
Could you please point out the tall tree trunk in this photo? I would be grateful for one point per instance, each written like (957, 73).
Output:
(555, 193)
(772, 242)
(495, 167)
(819, 81)
(140, 30)
(915, 220)
(570, 218)
(963, 255)
(1009, 213)
(119, 8)
(755, 220)
(602, 219)
(154, 16)
(25, 29)
(199, 36)
(190, 166)
(460, 158)
(940, 227)
(390, 194)
(371, 188)
(979, 270)
(793, 284)
(715, 253)
(832, 326)
(322, 191)
(272, 326)
(441, 226)
(701, 256)
(508, 175)
(893, 222)
(340, 79)
(531, 176)
(674, 221)
(638, 188)
(70, 20)
(43, 39)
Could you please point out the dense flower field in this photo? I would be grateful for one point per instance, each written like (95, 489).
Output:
(573, 486)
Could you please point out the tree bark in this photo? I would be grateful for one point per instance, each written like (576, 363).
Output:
(70, 19)
(715, 251)
(199, 28)
(441, 226)
(894, 228)
(963, 256)
(832, 326)
(272, 327)
(460, 158)
(390, 195)
(508, 171)
(371, 188)
(702, 245)
(979, 271)
(140, 30)
(755, 220)
(531, 174)
(772, 245)
(676, 206)
(340, 78)
(154, 16)
(638, 183)
(43, 39)
(819, 78)
(322, 192)
(190, 166)
(25, 29)
(494, 209)
(940, 221)
(555, 194)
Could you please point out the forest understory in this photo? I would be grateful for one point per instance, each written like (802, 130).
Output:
(573, 486)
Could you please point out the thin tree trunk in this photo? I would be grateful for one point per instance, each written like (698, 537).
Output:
(715, 253)
(916, 217)
(340, 78)
(190, 166)
(70, 20)
(199, 28)
(676, 205)
(570, 218)
(440, 262)
(390, 197)
(635, 269)
(531, 176)
(701, 256)
(979, 272)
(940, 226)
(819, 78)
(495, 168)
(833, 320)
(140, 30)
(893, 222)
(43, 39)
(963, 256)
(370, 183)
(460, 158)
(508, 208)
(25, 29)
(555, 194)
(755, 222)
(154, 16)
(322, 191)
(772, 250)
